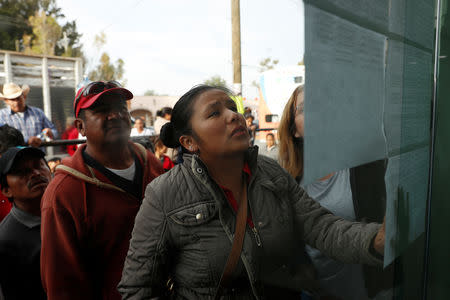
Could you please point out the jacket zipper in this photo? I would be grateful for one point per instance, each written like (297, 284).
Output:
(257, 238)
(230, 237)
(254, 230)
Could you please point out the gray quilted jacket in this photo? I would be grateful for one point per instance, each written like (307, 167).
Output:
(184, 231)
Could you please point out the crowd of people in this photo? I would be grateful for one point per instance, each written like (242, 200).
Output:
(209, 219)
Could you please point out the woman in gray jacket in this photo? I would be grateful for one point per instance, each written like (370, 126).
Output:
(185, 227)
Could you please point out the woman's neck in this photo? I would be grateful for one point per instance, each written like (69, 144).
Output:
(226, 171)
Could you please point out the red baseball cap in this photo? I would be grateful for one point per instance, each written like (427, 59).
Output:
(86, 101)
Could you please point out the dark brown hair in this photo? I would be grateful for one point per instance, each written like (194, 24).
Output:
(180, 123)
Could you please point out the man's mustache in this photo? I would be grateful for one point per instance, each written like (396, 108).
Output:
(37, 180)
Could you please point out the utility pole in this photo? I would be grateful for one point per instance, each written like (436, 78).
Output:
(236, 45)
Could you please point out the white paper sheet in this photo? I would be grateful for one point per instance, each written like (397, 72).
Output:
(367, 97)
(344, 94)
(408, 97)
(414, 20)
(406, 186)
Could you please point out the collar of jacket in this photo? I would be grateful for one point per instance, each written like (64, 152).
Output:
(194, 163)
(13, 113)
(76, 167)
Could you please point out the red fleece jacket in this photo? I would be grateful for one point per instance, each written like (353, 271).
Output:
(86, 228)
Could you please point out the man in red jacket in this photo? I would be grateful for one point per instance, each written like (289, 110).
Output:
(71, 133)
(88, 209)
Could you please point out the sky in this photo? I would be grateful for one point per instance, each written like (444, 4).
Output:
(171, 45)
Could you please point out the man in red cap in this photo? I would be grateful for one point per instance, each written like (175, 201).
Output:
(88, 209)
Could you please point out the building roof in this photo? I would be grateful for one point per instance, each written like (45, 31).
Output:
(152, 103)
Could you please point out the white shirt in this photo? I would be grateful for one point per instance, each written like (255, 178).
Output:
(159, 122)
(127, 173)
(146, 131)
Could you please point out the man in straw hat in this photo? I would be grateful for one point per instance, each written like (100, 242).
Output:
(31, 121)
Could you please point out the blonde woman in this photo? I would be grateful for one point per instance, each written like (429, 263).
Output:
(356, 194)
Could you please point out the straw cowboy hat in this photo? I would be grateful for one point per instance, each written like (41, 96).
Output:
(12, 91)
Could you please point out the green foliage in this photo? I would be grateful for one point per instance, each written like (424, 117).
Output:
(255, 84)
(267, 64)
(73, 48)
(153, 93)
(264, 65)
(106, 70)
(119, 68)
(150, 93)
(46, 31)
(216, 80)
(100, 40)
(23, 27)
(14, 16)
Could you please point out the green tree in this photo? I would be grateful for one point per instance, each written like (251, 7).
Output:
(267, 64)
(150, 93)
(46, 31)
(106, 70)
(153, 93)
(216, 80)
(264, 65)
(100, 40)
(14, 20)
(69, 44)
(120, 70)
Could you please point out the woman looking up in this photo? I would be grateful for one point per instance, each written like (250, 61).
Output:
(187, 224)
(356, 194)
